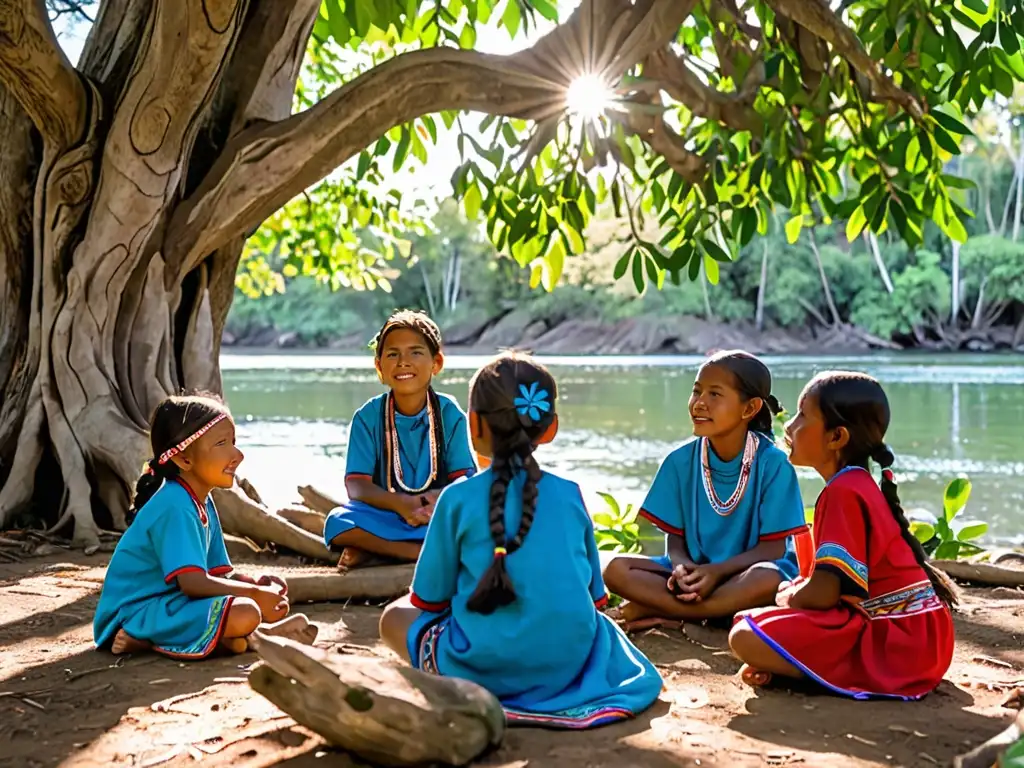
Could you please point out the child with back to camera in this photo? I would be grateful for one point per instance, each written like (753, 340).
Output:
(508, 585)
(873, 619)
(404, 446)
(728, 502)
(170, 586)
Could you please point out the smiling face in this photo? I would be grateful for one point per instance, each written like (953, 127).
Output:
(716, 406)
(406, 363)
(213, 458)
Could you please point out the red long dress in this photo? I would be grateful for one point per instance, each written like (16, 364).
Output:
(890, 636)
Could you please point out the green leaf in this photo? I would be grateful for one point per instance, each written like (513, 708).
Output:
(955, 497)
(711, 269)
(855, 225)
(714, 250)
(545, 9)
(946, 141)
(611, 501)
(948, 550)
(638, 270)
(1008, 39)
(467, 38)
(603, 519)
(556, 262)
(923, 532)
(978, 6)
(748, 225)
(951, 124)
(622, 265)
(793, 228)
(402, 151)
(472, 201)
(972, 531)
(512, 17)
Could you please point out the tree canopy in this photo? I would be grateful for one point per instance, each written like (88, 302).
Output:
(706, 115)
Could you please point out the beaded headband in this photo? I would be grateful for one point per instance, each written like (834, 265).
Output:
(172, 452)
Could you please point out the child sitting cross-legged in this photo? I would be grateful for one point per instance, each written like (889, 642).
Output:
(170, 586)
(404, 446)
(728, 502)
(508, 585)
(873, 619)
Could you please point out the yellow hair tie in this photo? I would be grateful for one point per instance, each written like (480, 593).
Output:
(500, 551)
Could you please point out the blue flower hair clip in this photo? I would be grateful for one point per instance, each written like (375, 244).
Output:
(532, 402)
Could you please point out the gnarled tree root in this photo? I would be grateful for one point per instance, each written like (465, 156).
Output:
(383, 712)
(982, 573)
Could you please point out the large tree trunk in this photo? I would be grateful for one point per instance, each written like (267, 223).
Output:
(128, 187)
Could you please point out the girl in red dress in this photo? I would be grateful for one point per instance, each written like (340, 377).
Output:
(873, 619)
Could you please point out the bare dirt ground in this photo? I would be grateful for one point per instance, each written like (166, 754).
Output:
(64, 704)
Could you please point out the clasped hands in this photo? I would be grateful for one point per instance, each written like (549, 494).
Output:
(693, 583)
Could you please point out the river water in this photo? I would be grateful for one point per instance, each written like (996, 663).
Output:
(952, 415)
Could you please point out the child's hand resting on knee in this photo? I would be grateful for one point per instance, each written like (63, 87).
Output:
(677, 583)
(273, 607)
(699, 581)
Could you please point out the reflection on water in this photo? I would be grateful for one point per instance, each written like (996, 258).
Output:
(621, 415)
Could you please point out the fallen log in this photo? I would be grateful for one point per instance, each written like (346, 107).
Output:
(307, 519)
(981, 573)
(383, 712)
(987, 755)
(376, 582)
(317, 500)
(240, 547)
(242, 516)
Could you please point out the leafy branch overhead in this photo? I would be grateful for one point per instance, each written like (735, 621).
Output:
(846, 111)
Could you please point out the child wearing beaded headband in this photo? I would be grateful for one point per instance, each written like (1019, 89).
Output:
(873, 619)
(508, 586)
(170, 586)
(404, 446)
(728, 502)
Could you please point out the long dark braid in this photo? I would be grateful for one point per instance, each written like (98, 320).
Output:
(515, 431)
(857, 402)
(174, 420)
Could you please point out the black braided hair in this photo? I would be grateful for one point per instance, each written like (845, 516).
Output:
(753, 379)
(515, 431)
(857, 402)
(410, 320)
(175, 419)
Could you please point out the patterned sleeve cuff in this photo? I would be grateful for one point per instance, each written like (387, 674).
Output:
(783, 534)
(660, 524)
(169, 578)
(835, 558)
(423, 605)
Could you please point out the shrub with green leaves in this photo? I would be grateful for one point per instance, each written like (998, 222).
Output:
(616, 528)
(943, 540)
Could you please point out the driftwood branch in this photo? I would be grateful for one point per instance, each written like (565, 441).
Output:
(317, 500)
(267, 165)
(243, 517)
(376, 583)
(382, 712)
(307, 519)
(981, 573)
(987, 754)
(35, 70)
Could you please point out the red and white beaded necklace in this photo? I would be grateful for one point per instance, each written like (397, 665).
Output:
(393, 472)
(727, 507)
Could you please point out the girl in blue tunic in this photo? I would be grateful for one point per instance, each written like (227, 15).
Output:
(170, 586)
(403, 448)
(728, 502)
(519, 614)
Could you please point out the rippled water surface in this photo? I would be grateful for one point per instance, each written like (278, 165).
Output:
(621, 415)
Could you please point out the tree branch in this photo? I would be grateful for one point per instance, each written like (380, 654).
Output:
(669, 144)
(267, 165)
(112, 45)
(816, 17)
(36, 71)
(670, 72)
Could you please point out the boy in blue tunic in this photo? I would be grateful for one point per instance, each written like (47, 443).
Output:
(728, 502)
(404, 446)
(519, 615)
(170, 586)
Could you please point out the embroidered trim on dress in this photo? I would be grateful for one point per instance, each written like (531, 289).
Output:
(838, 557)
(910, 601)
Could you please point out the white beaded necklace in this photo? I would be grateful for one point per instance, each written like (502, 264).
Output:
(727, 507)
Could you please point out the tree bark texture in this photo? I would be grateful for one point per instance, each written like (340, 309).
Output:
(129, 183)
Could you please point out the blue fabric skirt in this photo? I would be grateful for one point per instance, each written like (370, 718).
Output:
(176, 625)
(616, 683)
(382, 523)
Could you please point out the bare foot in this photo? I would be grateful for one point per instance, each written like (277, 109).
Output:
(296, 627)
(125, 643)
(352, 558)
(235, 645)
(755, 678)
